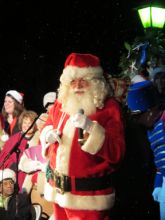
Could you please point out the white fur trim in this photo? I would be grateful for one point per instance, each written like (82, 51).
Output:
(43, 139)
(95, 139)
(7, 173)
(16, 95)
(70, 201)
(70, 73)
(98, 202)
(63, 151)
(49, 97)
(49, 192)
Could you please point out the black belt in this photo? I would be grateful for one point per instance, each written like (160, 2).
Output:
(67, 184)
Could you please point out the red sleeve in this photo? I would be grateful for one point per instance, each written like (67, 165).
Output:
(113, 149)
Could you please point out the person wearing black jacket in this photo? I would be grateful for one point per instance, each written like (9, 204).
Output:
(13, 205)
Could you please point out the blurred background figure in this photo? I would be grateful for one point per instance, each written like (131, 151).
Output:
(144, 99)
(158, 77)
(48, 101)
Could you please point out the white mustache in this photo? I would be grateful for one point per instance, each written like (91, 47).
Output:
(79, 90)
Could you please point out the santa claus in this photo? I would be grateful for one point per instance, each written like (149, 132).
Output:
(79, 172)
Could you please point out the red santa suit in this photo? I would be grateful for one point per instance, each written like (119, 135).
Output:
(86, 170)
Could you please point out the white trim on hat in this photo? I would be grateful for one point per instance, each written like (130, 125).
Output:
(7, 174)
(16, 95)
(49, 97)
(71, 72)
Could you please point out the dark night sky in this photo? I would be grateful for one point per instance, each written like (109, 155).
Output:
(36, 37)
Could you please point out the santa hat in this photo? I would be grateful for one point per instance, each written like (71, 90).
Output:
(7, 174)
(86, 66)
(49, 98)
(16, 95)
(142, 96)
(157, 70)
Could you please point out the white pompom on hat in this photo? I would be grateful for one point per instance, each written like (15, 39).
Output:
(7, 174)
(49, 97)
(86, 66)
(16, 95)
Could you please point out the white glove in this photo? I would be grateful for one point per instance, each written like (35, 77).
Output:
(156, 193)
(53, 136)
(82, 121)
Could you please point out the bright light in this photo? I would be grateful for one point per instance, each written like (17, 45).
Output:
(152, 17)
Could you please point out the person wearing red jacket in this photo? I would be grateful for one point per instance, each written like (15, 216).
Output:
(20, 142)
(83, 140)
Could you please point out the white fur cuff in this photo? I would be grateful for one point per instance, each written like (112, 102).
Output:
(43, 139)
(95, 139)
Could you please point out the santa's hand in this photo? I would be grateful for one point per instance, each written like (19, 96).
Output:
(52, 136)
(156, 193)
(82, 121)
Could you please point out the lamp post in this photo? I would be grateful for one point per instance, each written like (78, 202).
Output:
(152, 17)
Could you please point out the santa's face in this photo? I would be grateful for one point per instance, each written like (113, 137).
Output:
(79, 86)
(79, 95)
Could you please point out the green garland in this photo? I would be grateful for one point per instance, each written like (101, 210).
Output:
(145, 52)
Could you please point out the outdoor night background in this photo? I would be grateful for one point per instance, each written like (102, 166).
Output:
(37, 36)
(35, 39)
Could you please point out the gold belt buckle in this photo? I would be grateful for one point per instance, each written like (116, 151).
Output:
(60, 178)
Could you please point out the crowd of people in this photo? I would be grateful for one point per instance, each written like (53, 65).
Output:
(80, 153)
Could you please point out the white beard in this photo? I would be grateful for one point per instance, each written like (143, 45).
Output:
(74, 102)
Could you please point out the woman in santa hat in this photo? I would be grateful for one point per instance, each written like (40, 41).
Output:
(11, 110)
